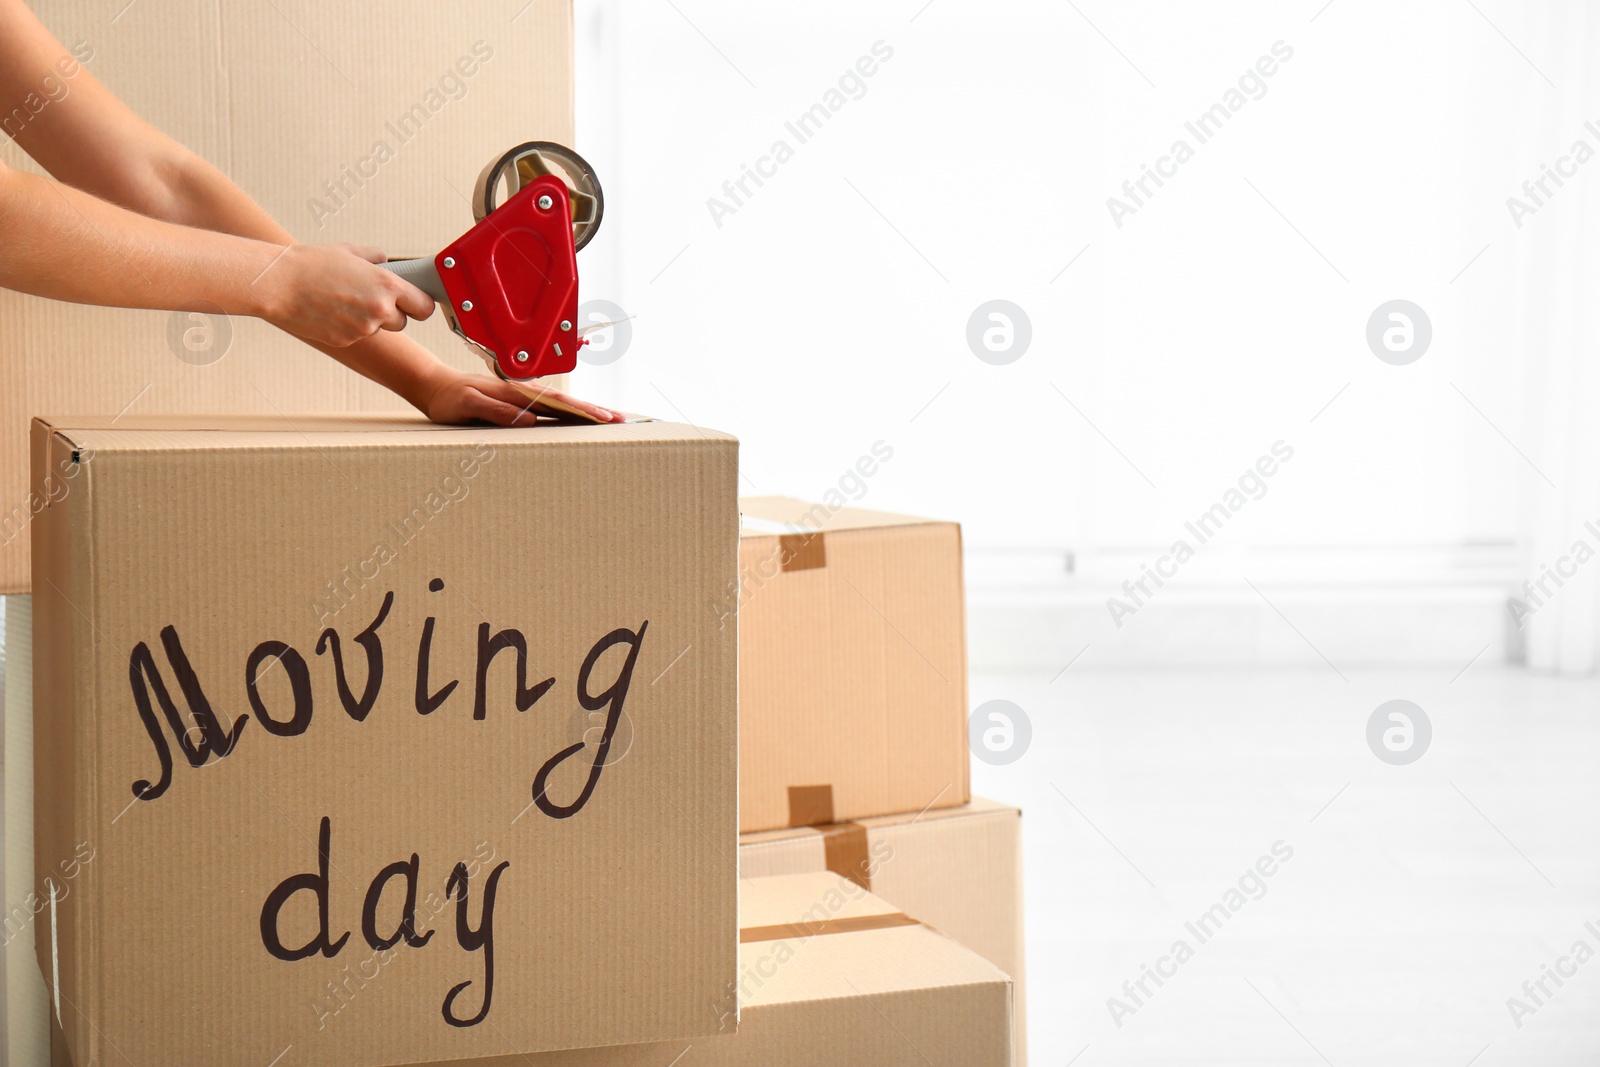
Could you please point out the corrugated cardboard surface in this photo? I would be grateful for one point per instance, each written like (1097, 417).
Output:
(958, 869)
(615, 924)
(853, 681)
(27, 1034)
(895, 996)
(289, 99)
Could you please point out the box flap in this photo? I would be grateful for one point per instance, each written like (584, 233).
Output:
(858, 960)
(224, 432)
(766, 516)
(979, 807)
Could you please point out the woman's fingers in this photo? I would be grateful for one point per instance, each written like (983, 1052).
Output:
(413, 301)
(394, 321)
(557, 402)
(594, 411)
(490, 409)
(505, 404)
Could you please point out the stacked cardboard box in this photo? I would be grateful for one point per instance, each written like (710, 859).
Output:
(853, 744)
(853, 674)
(957, 869)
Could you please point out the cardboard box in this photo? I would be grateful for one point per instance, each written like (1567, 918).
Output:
(853, 677)
(957, 869)
(345, 124)
(312, 862)
(832, 976)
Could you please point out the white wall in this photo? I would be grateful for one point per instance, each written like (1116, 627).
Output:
(829, 310)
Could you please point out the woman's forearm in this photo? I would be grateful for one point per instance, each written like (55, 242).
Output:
(203, 196)
(65, 244)
(186, 189)
(395, 362)
(193, 192)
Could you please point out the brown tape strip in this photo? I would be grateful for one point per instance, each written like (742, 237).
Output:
(845, 846)
(810, 805)
(852, 925)
(802, 552)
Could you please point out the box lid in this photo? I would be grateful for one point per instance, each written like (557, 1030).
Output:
(976, 808)
(768, 516)
(211, 433)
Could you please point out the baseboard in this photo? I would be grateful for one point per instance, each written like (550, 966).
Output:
(1373, 606)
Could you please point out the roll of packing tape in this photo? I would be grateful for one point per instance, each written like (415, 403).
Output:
(543, 157)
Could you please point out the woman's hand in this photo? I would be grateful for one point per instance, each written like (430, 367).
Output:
(336, 295)
(460, 398)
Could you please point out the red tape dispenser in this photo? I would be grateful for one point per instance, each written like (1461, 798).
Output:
(509, 285)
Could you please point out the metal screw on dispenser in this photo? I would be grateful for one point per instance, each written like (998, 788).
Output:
(466, 305)
(449, 261)
(522, 357)
(566, 324)
(545, 203)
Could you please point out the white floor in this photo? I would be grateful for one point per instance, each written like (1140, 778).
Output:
(1418, 898)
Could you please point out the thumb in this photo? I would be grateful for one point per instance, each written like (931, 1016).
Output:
(371, 255)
